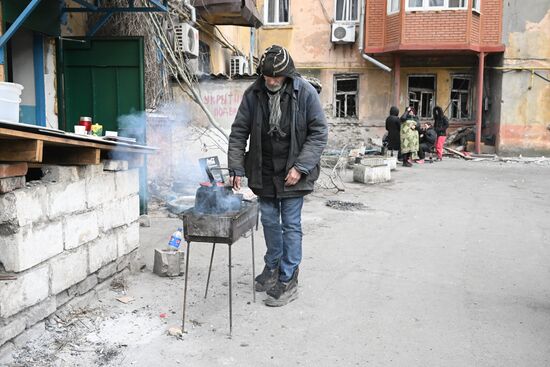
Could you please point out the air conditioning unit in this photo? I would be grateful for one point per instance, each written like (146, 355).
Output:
(186, 40)
(343, 33)
(238, 65)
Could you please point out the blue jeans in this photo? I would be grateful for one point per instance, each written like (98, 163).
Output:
(282, 222)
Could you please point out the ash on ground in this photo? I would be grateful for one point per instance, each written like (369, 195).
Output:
(345, 205)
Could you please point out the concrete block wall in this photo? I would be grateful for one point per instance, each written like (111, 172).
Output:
(60, 237)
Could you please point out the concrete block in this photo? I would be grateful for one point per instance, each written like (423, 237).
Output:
(391, 162)
(113, 214)
(28, 289)
(59, 173)
(108, 270)
(40, 311)
(80, 229)
(7, 352)
(102, 251)
(168, 263)
(7, 207)
(11, 183)
(12, 328)
(115, 165)
(144, 221)
(100, 189)
(31, 246)
(90, 170)
(31, 204)
(137, 263)
(132, 209)
(63, 297)
(127, 182)
(66, 198)
(123, 262)
(84, 286)
(31, 334)
(68, 269)
(128, 238)
(81, 302)
(373, 161)
(371, 175)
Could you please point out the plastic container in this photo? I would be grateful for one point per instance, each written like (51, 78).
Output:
(175, 240)
(9, 101)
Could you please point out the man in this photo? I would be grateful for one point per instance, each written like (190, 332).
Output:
(428, 137)
(282, 115)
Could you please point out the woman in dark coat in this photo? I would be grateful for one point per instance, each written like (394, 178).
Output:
(393, 125)
(441, 123)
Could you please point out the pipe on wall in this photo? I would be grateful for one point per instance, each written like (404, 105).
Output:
(362, 41)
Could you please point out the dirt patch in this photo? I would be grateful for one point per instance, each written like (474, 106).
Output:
(345, 205)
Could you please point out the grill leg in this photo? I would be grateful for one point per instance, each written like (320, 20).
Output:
(209, 269)
(230, 296)
(185, 287)
(253, 267)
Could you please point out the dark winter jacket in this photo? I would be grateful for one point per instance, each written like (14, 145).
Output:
(441, 123)
(429, 136)
(308, 135)
(393, 125)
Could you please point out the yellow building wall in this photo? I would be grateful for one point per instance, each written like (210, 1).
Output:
(219, 54)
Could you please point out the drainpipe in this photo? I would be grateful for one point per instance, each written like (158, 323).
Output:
(362, 40)
(479, 112)
(251, 54)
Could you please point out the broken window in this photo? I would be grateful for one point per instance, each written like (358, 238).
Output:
(461, 97)
(393, 6)
(422, 94)
(204, 57)
(345, 99)
(276, 11)
(346, 11)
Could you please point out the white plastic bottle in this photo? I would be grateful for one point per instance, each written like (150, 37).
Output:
(175, 240)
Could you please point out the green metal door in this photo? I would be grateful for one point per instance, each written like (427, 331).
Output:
(103, 79)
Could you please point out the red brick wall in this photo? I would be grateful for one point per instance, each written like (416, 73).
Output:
(474, 37)
(376, 12)
(393, 29)
(448, 26)
(491, 13)
(426, 28)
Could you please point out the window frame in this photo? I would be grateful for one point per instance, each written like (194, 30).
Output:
(426, 6)
(470, 92)
(348, 20)
(276, 15)
(389, 4)
(423, 90)
(476, 6)
(335, 93)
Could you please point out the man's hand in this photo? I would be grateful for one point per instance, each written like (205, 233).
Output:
(292, 177)
(235, 181)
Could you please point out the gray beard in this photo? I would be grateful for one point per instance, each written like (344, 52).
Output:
(276, 89)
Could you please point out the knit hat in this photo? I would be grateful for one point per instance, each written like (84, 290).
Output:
(276, 61)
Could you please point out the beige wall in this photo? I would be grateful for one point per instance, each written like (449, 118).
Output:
(219, 55)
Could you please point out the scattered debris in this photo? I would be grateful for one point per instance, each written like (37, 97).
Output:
(460, 154)
(125, 299)
(345, 205)
(175, 331)
(7, 277)
(119, 284)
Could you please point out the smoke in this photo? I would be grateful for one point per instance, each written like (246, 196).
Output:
(173, 171)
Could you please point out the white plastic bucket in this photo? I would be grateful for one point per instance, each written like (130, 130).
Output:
(11, 91)
(9, 110)
(9, 101)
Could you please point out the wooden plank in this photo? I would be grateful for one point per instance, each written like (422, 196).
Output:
(71, 155)
(21, 151)
(74, 141)
(13, 170)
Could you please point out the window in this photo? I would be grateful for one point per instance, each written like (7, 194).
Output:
(476, 5)
(346, 11)
(276, 11)
(461, 100)
(204, 57)
(345, 98)
(422, 94)
(436, 4)
(393, 6)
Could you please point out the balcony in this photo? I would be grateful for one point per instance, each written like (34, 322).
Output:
(229, 12)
